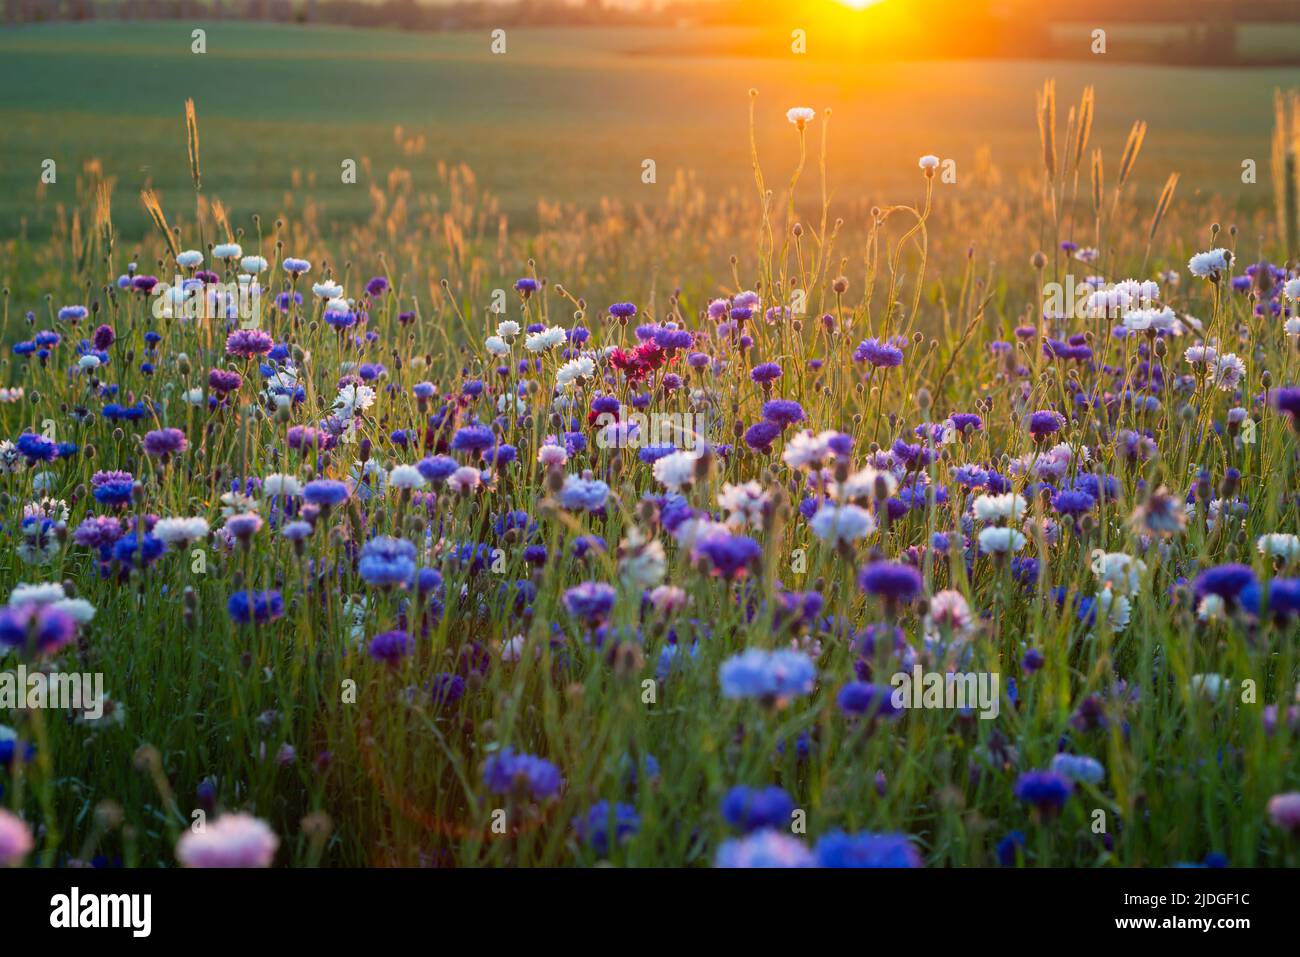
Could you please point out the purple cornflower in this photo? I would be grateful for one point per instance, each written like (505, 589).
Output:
(783, 412)
(40, 629)
(507, 772)
(892, 581)
(728, 556)
(765, 373)
(1073, 503)
(1287, 400)
(1226, 581)
(1045, 423)
(161, 443)
(590, 601)
(622, 310)
(223, 381)
(390, 647)
(248, 343)
(761, 435)
(879, 353)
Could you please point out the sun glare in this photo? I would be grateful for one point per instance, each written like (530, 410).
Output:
(859, 4)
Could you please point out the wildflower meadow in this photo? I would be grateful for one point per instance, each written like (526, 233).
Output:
(774, 526)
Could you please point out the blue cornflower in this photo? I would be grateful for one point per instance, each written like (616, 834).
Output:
(594, 829)
(245, 607)
(749, 809)
(473, 438)
(386, 561)
(506, 772)
(436, 468)
(837, 849)
(1046, 790)
(325, 492)
(1078, 767)
(757, 673)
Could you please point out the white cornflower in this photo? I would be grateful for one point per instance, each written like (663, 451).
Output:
(1292, 326)
(668, 598)
(867, 483)
(42, 593)
(1118, 608)
(253, 265)
(513, 650)
(675, 469)
(1119, 571)
(575, 370)
(1210, 685)
(497, 346)
(80, 610)
(805, 450)
(745, 504)
(194, 396)
(949, 611)
(1000, 540)
(552, 454)
(353, 399)
(227, 251)
(996, 508)
(507, 329)
(548, 338)
(1291, 289)
(1197, 355)
(1138, 320)
(464, 479)
(1211, 608)
(1210, 264)
(280, 484)
(842, 523)
(1228, 372)
(180, 531)
(405, 477)
(234, 503)
(1279, 545)
(51, 508)
(642, 561)
(189, 259)
(928, 162)
(503, 404)
(86, 363)
(800, 116)
(328, 289)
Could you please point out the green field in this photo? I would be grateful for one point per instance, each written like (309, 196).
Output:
(273, 100)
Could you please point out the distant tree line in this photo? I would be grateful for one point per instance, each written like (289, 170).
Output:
(1201, 31)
